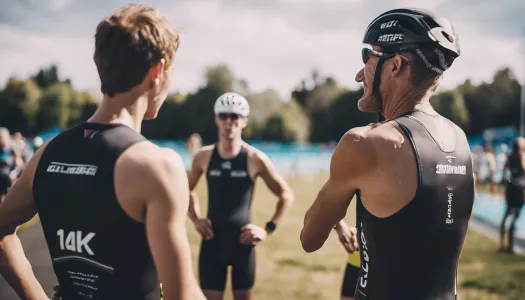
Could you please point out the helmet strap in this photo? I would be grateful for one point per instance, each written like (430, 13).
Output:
(375, 88)
(380, 116)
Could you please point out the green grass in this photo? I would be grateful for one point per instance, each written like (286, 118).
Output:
(285, 271)
(487, 274)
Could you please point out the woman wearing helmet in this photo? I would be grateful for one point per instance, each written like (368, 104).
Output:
(411, 173)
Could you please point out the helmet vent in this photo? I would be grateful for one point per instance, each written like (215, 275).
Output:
(447, 36)
(431, 23)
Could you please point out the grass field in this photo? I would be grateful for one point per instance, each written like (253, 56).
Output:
(285, 271)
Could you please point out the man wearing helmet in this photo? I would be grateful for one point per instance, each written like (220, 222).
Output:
(231, 167)
(411, 173)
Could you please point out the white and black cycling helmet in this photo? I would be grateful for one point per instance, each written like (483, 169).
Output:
(232, 103)
(430, 36)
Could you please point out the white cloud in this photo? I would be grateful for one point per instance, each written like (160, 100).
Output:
(59, 4)
(269, 48)
(270, 52)
(420, 4)
(321, 2)
(482, 55)
(23, 53)
(265, 49)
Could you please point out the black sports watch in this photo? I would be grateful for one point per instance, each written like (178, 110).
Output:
(271, 226)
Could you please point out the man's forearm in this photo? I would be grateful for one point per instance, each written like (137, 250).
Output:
(17, 270)
(194, 211)
(340, 225)
(283, 205)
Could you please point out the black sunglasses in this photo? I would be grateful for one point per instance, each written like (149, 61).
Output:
(366, 52)
(232, 116)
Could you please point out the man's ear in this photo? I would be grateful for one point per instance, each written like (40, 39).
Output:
(155, 71)
(397, 65)
(244, 123)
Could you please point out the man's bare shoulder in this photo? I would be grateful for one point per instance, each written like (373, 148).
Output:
(255, 154)
(364, 136)
(146, 160)
(145, 173)
(387, 134)
(360, 145)
(203, 155)
(204, 152)
(353, 146)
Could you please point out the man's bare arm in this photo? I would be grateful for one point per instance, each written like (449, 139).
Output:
(18, 208)
(279, 187)
(166, 209)
(351, 159)
(194, 211)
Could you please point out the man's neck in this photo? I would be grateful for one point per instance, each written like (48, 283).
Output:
(403, 102)
(124, 109)
(229, 148)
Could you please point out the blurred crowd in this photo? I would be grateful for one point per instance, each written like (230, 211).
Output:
(15, 152)
(489, 166)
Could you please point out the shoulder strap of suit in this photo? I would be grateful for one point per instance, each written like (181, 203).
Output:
(120, 138)
(423, 124)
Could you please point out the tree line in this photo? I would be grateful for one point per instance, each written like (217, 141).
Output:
(318, 109)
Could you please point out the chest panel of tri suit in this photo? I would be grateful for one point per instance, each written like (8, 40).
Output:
(413, 254)
(230, 191)
(98, 252)
(234, 170)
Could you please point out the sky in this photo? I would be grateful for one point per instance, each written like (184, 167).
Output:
(273, 44)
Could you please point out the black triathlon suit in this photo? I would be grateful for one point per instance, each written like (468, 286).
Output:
(230, 191)
(98, 251)
(414, 253)
(515, 186)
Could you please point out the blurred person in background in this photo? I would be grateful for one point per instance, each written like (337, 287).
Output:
(477, 151)
(194, 143)
(514, 193)
(22, 147)
(11, 163)
(37, 143)
(487, 167)
(231, 167)
(501, 161)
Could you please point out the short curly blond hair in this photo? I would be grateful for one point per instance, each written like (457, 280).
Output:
(128, 43)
